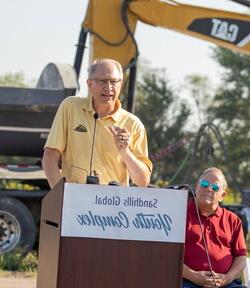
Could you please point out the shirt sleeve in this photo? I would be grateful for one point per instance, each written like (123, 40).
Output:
(140, 147)
(57, 138)
(238, 240)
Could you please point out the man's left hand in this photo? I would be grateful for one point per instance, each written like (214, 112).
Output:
(121, 137)
(221, 280)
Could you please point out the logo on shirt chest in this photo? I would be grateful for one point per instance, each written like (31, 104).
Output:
(81, 128)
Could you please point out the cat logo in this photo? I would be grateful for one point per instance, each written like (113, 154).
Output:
(224, 30)
(229, 30)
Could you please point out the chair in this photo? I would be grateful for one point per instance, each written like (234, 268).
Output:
(246, 274)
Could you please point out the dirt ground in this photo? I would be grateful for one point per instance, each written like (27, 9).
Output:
(17, 280)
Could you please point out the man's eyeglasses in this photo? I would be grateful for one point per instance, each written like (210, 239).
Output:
(205, 184)
(103, 82)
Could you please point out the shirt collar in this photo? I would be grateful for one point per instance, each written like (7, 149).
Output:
(88, 106)
(217, 212)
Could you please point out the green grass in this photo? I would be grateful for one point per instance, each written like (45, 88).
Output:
(16, 261)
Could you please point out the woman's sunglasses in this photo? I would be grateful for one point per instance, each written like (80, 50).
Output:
(205, 184)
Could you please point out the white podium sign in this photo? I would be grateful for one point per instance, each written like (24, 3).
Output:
(125, 213)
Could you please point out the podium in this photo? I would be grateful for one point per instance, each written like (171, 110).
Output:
(83, 246)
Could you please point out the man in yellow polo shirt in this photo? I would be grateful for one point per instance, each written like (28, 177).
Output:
(120, 150)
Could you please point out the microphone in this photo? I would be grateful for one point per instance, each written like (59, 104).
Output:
(93, 179)
(182, 187)
(176, 187)
(114, 183)
(179, 187)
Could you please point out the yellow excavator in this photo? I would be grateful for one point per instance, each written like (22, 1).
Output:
(111, 25)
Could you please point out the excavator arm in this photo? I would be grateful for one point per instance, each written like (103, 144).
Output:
(112, 25)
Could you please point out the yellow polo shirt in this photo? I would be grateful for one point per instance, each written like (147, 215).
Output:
(72, 134)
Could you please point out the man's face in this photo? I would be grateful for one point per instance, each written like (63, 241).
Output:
(106, 84)
(206, 189)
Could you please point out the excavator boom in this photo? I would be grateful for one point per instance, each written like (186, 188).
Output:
(112, 25)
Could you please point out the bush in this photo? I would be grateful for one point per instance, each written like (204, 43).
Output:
(16, 261)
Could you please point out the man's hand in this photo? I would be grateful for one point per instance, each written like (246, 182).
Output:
(138, 171)
(207, 280)
(234, 271)
(121, 137)
(221, 280)
(203, 279)
(50, 161)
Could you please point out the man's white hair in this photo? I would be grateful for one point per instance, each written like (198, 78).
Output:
(218, 172)
(92, 68)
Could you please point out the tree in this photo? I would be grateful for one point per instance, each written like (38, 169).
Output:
(164, 117)
(200, 89)
(231, 111)
(13, 80)
(199, 92)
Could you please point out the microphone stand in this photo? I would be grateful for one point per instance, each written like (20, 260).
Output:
(190, 190)
(93, 179)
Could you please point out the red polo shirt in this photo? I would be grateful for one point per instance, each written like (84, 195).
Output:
(224, 237)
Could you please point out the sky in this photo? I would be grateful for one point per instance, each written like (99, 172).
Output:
(37, 32)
